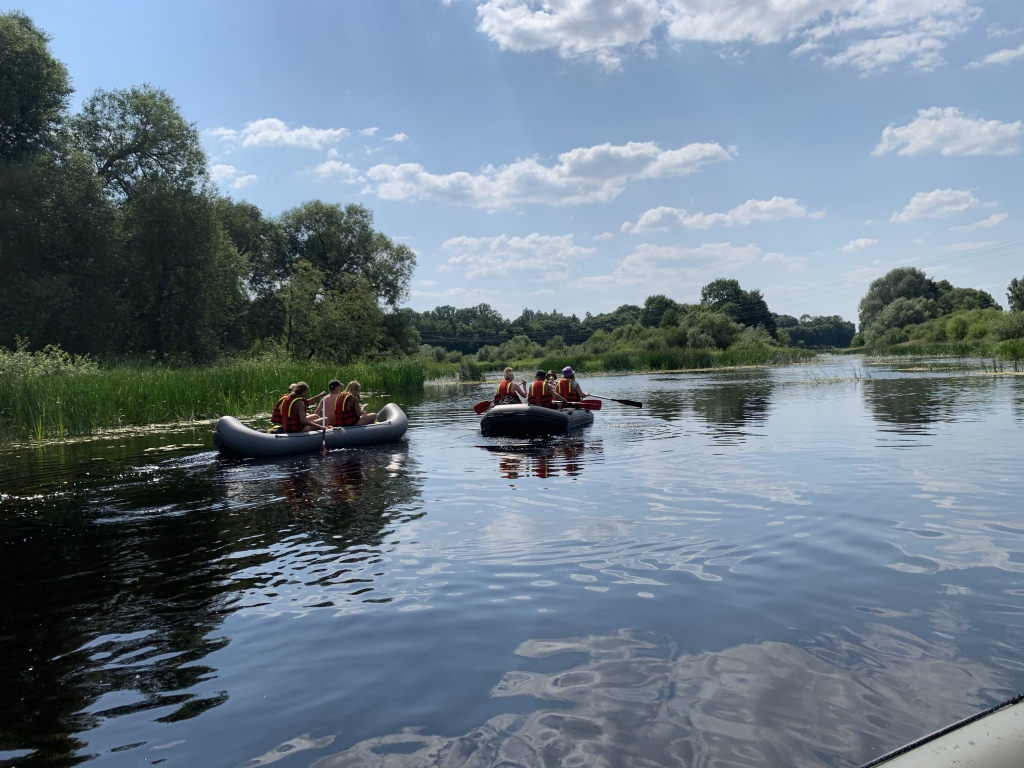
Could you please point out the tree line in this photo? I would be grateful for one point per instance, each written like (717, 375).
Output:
(113, 241)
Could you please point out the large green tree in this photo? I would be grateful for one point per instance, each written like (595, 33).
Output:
(745, 307)
(1015, 295)
(338, 240)
(34, 89)
(139, 132)
(179, 275)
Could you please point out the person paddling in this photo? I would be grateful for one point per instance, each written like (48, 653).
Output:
(508, 391)
(291, 410)
(542, 392)
(344, 408)
(568, 388)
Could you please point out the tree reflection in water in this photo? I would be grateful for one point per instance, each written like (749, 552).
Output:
(548, 458)
(909, 404)
(729, 404)
(114, 591)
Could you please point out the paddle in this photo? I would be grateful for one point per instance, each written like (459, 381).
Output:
(323, 415)
(482, 406)
(632, 403)
(590, 405)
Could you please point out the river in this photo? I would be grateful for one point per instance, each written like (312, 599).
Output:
(801, 566)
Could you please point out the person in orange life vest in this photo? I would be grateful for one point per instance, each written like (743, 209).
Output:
(542, 392)
(569, 388)
(291, 410)
(346, 409)
(508, 391)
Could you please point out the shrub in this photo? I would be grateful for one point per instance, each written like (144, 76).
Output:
(957, 327)
(1009, 326)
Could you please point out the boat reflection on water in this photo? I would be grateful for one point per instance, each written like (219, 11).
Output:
(565, 456)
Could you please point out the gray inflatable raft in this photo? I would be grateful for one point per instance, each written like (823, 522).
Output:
(990, 739)
(232, 438)
(533, 420)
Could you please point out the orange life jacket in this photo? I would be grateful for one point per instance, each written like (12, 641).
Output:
(276, 416)
(566, 390)
(538, 394)
(346, 415)
(504, 391)
(291, 420)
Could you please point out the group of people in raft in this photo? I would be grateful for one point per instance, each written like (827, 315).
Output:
(545, 390)
(338, 408)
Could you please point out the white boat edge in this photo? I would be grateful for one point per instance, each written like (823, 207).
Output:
(990, 739)
(231, 437)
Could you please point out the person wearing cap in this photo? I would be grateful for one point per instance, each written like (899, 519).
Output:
(542, 392)
(568, 388)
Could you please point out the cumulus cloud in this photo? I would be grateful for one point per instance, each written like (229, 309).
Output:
(271, 132)
(671, 268)
(949, 131)
(972, 246)
(369, 131)
(858, 245)
(991, 221)
(583, 175)
(337, 170)
(663, 217)
(937, 204)
(228, 176)
(605, 31)
(546, 255)
(398, 138)
(1004, 56)
(603, 236)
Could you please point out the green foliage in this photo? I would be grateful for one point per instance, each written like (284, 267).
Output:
(48, 362)
(745, 307)
(137, 133)
(655, 310)
(899, 283)
(1015, 295)
(815, 332)
(708, 329)
(81, 400)
(34, 89)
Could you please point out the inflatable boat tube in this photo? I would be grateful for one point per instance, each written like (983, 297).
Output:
(232, 438)
(990, 739)
(533, 420)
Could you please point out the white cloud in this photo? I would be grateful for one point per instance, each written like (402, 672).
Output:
(991, 221)
(398, 138)
(339, 171)
(271, 132)
(949, 131)
(1004, 56)
(792, 263)
(937, 204)
(583, 175)
(858, 245)
(671, 268)
(603, 236)
(663, 218)
(605, 31)
(228, 176)
(545, 255)
(464, 296)
(542, 292)
(997, 30)
(369, 131)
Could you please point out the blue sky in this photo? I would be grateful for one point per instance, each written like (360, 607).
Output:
(581, 154)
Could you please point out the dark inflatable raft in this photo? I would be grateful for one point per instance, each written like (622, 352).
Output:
(991, 739)
(533, 420)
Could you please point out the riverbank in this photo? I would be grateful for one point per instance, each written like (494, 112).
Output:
(1011, 350)
(80, 402)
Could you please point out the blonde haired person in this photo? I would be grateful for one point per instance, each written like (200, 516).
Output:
(509, 393)
(348, 411)
(291, 411)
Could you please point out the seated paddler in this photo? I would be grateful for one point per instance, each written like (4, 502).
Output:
(542, 392)
(344, 408)
(508, 391)
(568, 388)
(291, 411)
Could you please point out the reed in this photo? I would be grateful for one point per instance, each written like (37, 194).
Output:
(79, 403)
(670, 359)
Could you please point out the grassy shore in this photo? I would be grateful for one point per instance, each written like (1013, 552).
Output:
(1012, 350)
(39, 407)
(671, 359)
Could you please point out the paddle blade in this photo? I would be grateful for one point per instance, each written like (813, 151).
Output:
(482, 406)
(633, 403)
(591, 405)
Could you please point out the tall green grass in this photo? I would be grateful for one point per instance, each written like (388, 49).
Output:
(674, 358)
(1012, 349)
(59, 406)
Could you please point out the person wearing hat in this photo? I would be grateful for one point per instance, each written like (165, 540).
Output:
(568, 388)
(542, 392)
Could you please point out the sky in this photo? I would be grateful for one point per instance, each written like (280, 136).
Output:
(581, 154)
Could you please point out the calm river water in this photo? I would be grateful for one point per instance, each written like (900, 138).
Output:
(805, 566)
